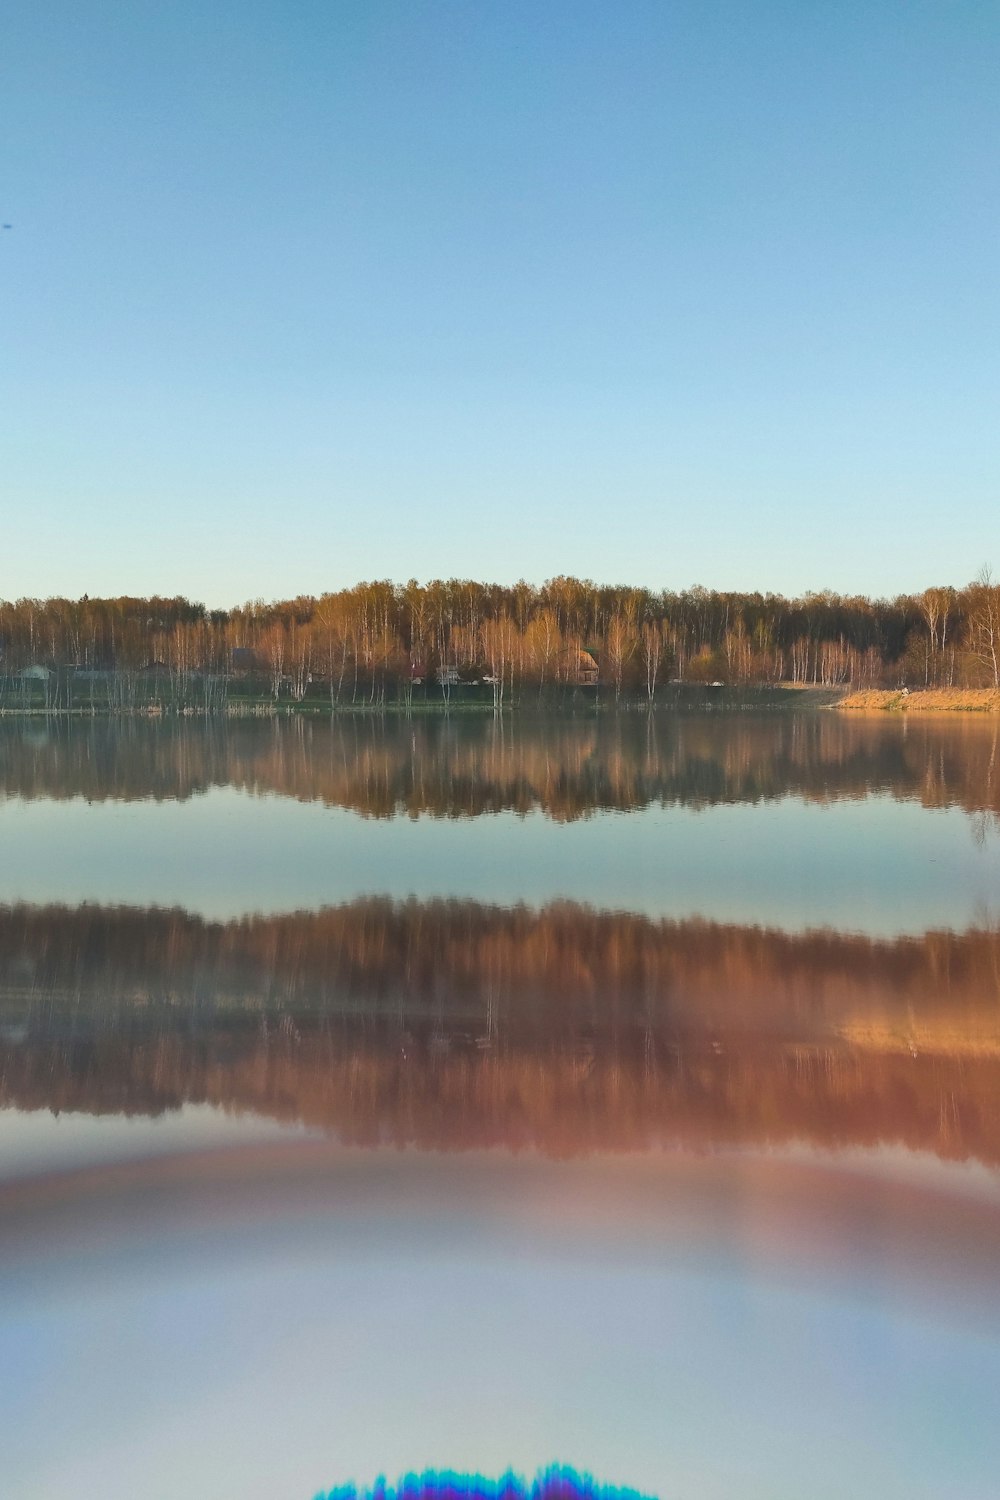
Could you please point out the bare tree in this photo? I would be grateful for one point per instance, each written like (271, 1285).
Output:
(654, 645)
(984, 623)
(621, 643)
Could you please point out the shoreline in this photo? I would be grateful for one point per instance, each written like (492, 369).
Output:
(923, 701)
(695, 698)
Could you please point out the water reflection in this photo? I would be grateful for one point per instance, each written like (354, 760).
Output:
(215, 1323)
(652, 1120)
(455, 1025)
(467, 766)
(877, 866)
(793, 821)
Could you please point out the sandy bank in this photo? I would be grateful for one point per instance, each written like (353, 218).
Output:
(925, 700)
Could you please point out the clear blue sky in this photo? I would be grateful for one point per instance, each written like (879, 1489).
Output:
(297, 294)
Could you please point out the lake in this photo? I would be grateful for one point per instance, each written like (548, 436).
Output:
(385, 1094)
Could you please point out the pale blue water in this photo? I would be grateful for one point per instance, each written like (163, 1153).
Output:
(877, 866)
(479, 1317)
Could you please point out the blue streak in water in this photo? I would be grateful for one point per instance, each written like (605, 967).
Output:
(554, 1483)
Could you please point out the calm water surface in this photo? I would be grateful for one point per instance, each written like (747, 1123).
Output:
(387, 1095)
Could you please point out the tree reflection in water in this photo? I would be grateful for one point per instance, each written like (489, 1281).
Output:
(564, 767)
(457, 1025)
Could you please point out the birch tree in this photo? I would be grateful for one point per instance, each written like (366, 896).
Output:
(984, 623)
(654, 644)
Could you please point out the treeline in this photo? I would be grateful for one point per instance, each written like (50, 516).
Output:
(380, 641)
(458, 1026)
(567, 767)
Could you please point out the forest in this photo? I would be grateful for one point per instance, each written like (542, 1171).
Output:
(380, 642)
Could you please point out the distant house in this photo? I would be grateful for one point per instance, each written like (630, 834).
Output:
(37, 674)
(579, 667)
(247, 661)
(447, 676)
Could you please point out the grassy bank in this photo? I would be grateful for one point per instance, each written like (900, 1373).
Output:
(925, 700)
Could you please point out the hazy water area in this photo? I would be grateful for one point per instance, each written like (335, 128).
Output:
(386, 1094)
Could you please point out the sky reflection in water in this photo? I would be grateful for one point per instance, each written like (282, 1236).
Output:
(879, 866)
(715, 1322)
